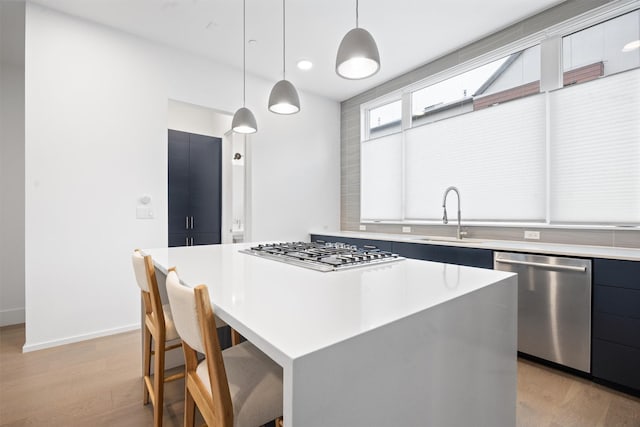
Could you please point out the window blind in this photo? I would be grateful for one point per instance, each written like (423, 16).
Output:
(595, 151)
(496, 157)
(381, 178)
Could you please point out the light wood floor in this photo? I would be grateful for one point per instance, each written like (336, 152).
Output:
(97, 383)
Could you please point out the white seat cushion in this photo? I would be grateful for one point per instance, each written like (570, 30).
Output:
(255, 384)
(170, 326)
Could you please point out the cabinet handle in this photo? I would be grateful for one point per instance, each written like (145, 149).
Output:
(192, 241)
(192, 223)
(186, 222)
(542, 265)
(186, 241)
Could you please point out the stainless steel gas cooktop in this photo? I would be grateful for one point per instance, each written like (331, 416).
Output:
(322, 256)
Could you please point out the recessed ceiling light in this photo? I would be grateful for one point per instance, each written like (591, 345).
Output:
(305, 64)
(631, 46)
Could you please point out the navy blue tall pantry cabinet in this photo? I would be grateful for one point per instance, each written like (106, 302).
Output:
(195, 178)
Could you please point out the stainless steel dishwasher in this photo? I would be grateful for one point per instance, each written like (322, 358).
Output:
(554, 307)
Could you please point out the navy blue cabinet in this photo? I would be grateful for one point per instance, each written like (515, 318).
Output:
(178, 186)
(195, 189)
(615, 349)
(472, 257)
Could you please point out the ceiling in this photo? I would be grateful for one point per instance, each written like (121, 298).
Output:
(409, 33)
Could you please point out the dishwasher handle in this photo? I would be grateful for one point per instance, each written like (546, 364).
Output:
(540, 264)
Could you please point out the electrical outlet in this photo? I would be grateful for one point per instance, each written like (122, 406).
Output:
(406, 229)
(363, 227)
(534, 235)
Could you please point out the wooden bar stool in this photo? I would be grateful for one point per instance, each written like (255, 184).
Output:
(237, 387)
(158, 324)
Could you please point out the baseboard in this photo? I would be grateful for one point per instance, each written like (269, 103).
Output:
(77, 338)
(12, 316)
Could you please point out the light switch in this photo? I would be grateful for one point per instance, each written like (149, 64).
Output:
(144, 212)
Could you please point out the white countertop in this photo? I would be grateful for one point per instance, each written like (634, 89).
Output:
(322, 308)
(585, 251)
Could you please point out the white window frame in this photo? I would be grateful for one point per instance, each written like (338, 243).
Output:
(549, 39)
(365, 114)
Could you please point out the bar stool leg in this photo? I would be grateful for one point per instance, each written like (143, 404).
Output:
(158, 382)
(235, 337)
(146, 368)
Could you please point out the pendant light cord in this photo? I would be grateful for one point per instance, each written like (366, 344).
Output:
(284, 46)
(356, 13)
(244, 53)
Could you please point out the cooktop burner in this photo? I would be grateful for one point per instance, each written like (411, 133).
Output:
(322, 256)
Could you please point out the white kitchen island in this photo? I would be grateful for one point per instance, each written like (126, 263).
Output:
(410, 343)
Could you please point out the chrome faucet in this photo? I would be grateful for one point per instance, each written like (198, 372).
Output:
(445, 220)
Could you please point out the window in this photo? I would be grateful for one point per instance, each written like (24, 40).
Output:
(385, 119)
(381, 175)
(595, 151)
(508, 78)
(570, 155)
(496, 158)
(601, 50)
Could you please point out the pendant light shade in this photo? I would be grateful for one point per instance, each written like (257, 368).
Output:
(284, 96)
(243, 120)
(358, 55)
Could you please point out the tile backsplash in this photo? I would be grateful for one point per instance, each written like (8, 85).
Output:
(627, 238)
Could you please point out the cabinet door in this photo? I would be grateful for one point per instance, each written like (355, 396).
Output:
(617, 329)
(616, 322)
(412, 250)
(616, 363)
(471, 257)
(178, 184)
(205, 238)
(205, 163)
(179, 239)
(617, 273)
(617, 301)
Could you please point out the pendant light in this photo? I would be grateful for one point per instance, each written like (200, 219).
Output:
(358, 56)
(284, 97)
(244, 120)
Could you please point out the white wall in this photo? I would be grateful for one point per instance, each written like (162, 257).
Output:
(11, 163)
(192, 118)
(96, 121)
(294, 170)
